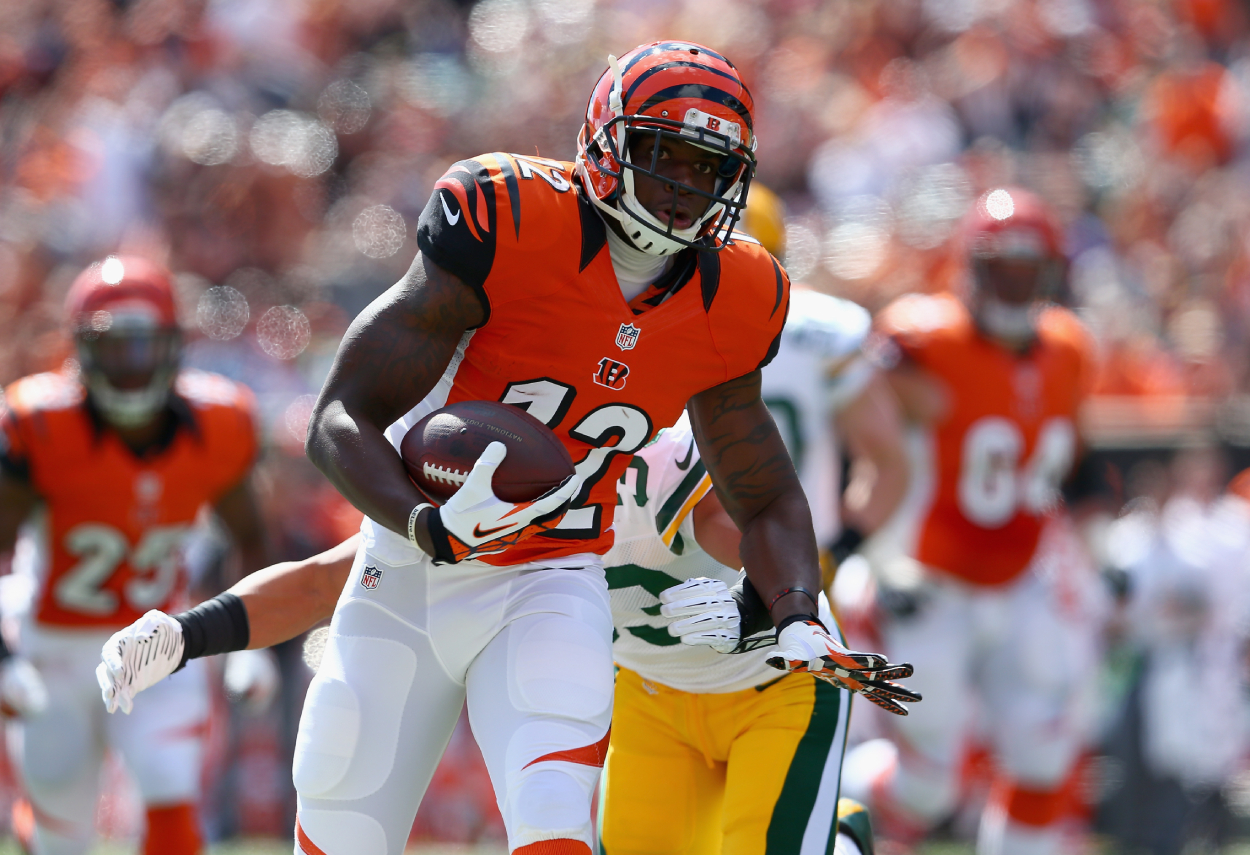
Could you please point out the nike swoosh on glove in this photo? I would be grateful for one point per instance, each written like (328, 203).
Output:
(476, 522)
(137, 657)
(804, 645)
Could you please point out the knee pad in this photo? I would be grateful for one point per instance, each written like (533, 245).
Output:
(549, 802)
(360, 689)
(562, 667)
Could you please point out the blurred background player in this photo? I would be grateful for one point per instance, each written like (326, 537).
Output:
(834, 409)
(994, 381)
(104, 472)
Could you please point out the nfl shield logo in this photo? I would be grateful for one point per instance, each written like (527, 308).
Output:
(371, 577)
(627, 336)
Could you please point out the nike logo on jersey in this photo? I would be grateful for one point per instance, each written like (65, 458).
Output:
(478, 532)
(685, 464)
(450, 219)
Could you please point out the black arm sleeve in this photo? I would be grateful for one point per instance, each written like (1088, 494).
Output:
(214, 626)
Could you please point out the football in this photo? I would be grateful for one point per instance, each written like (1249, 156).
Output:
(440, 450)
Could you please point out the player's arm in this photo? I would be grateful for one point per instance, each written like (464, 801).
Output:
(921, 395)
(389, 360)
(871, 424)
(266, 608)
(17, 501)
(240, 513)
(756, 482)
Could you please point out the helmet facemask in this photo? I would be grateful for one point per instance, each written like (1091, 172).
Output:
(128, 363)
(605, 147)
(645, 230)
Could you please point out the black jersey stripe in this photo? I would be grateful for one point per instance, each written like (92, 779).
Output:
(594, 229)
(709, 276)
(781, 287)
(704, 92)
(514, 189)
(642, 78)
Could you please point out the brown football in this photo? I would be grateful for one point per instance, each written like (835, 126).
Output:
(440, 450)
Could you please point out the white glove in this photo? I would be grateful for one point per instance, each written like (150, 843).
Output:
(708, 610)
(476, 522)
(22, 692)
(805, 645)
(137, 657)
(252, 678)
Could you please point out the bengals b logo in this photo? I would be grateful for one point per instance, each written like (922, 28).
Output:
(611, 373)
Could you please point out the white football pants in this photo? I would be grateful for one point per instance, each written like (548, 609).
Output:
(530, 647)
(59, 754)
(1005, 663)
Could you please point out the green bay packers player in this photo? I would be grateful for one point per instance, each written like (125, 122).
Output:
(709, 753)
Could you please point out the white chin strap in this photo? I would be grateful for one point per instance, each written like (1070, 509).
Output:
(1006, 321)
(129, 408)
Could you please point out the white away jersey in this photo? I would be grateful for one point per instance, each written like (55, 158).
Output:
(818, 368)
(655, 549)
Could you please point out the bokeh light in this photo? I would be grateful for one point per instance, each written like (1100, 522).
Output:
(379, 231)
(222, 313)
(283, 332)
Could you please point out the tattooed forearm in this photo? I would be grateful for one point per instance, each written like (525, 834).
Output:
(389, 360)
(756, 482)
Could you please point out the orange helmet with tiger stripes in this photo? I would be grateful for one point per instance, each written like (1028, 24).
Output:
(685, 92)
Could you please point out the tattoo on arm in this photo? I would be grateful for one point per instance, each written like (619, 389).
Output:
(741, 446)
(391, 357)
(757, 484)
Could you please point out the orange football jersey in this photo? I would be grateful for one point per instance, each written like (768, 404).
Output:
(1008, 436)
(107, 541)
(561, 342)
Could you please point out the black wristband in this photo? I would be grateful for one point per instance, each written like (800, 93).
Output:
(785, 622)
(847, 543)
(753, 616)
(440, 538)
(5, 652)
(214, 626)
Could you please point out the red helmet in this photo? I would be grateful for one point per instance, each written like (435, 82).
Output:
(685, 92)
(1015, 250)
(122, 316)
(1009, 222)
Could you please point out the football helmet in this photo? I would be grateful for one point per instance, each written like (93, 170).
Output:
(125, 328)
(765, 220)
(1015, 251)
(676, 90)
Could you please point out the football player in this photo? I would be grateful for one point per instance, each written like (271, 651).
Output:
(994, 381)
(103, 472)
(601, 296)
(708, 752)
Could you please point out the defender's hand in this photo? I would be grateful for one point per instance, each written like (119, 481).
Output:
(139, 656)
(476, 522)
(708, 612)
(22, 690)
(805, 645)
(726, 619)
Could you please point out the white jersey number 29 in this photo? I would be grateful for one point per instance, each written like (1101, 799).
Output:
(992, 485)
(101, 548)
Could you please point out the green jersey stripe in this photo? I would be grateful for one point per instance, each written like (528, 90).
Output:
(680, 495)
(798, 794)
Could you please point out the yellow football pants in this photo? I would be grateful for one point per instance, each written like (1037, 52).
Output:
(745, 773)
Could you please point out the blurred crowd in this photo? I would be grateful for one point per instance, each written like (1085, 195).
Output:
(276, 153)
